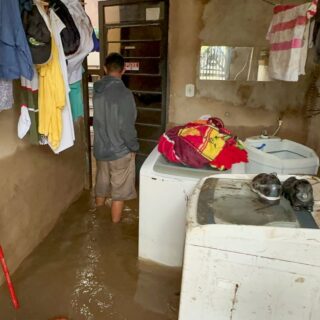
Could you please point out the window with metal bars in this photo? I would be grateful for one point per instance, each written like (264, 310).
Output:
(215, 63)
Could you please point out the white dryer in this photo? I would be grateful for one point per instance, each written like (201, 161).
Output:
(164, 192)
(248, 260)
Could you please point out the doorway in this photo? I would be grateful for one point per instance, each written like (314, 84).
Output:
(138, 29)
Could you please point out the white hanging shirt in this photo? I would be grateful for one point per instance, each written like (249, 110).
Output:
(85, 29)
(68, 135)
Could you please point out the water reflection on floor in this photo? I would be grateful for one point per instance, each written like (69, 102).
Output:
(87, 269)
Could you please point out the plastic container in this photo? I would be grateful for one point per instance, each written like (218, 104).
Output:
(269, 155)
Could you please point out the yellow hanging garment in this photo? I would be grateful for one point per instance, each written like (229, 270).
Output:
(52, 98)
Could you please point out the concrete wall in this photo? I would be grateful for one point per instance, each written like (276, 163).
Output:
(92, 11)
(245, 107)
(36, 187)
(313, 140)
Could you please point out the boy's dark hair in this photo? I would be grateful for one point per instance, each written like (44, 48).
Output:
(114, 62)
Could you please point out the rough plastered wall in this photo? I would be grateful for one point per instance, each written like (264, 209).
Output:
(313, 140)
(36, 187)
(92, 11)
(246, 107)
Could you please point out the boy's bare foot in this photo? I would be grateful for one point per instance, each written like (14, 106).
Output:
(100, 201)
(116, 211)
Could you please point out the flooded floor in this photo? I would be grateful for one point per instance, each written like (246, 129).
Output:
(87, 269)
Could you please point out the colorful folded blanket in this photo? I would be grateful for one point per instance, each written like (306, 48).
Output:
(202, 143)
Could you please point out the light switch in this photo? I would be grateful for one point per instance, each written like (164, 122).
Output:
(190, 89)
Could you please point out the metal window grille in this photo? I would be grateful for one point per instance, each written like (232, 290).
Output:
(214, 63)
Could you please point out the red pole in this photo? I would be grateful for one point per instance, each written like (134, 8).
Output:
(13, 296)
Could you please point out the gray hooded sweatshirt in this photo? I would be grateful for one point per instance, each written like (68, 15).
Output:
(114, 120)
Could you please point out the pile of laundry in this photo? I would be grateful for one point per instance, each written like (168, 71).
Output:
(203, 143)
(43, 44)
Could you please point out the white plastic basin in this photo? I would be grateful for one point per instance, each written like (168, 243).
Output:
(280, 156)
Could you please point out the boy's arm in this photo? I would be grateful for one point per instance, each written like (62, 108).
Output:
(127, 116)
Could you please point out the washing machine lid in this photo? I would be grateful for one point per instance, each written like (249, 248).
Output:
(231, 201)
(165, 167)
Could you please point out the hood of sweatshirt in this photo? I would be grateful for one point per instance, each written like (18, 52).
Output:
(104, 83)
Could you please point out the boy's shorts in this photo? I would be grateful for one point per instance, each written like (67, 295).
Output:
(116, 178)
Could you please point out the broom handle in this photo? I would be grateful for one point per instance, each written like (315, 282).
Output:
(8, 279)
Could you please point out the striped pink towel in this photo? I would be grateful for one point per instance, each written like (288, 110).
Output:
(289, 38)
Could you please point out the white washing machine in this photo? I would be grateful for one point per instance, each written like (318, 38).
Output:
(248, 260)
(164, 192)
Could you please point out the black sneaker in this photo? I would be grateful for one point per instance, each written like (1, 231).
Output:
(267, 186)
(299, 193)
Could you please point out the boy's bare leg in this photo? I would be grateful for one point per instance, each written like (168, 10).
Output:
(100, 201)
(116, 210)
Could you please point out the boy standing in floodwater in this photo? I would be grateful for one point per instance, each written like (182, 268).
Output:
(115, 137)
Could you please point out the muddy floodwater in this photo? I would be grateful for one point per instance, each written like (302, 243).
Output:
(87, 269)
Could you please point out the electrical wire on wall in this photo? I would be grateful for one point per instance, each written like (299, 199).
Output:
(244, 66)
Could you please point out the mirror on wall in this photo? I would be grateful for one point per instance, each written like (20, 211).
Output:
(234, 63)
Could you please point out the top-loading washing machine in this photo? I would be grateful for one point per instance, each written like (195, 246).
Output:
(247, 259)
(272, 154)
(164, 192)
(165, 189)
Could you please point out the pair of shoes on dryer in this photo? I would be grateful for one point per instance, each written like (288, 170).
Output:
(298, 191)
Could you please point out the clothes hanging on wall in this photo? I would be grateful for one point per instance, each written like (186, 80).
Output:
(15, 56)
(289, 38)
(24, 122)
(316, 35)
(6, 94)
(76, 99)
(29, 100)
(52, 99)
(67, 135)
(38, 35)
(50, 79)
(25, 5)
(96, 42)
(70, 35)
(85, 28)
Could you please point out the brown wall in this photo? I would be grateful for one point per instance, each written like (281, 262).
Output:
(36, 187)
(314, 134)
(245, 107)
(92, 11)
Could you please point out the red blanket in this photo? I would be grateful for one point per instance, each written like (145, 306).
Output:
(203, 143)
